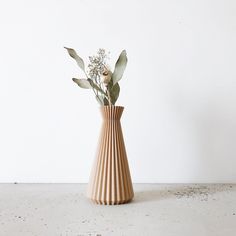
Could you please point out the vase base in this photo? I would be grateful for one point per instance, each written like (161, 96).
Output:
(102, 202)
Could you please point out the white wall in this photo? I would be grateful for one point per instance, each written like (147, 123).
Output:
(178, 90)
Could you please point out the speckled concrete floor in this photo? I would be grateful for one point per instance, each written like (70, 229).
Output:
(165, 210)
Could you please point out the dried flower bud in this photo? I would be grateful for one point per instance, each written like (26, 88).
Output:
(106, 77)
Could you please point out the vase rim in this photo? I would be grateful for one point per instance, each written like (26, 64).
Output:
(111, 106)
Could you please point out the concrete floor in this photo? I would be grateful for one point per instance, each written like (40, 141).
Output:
(165, 210)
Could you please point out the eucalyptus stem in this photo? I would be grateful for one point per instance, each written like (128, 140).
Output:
(99, 83)
(109, 96)
(94, 90)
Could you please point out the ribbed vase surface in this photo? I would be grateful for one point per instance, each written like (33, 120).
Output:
(110, 182)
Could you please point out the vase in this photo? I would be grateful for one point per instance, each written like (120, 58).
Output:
(110, 181)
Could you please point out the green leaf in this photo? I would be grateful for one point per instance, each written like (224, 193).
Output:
(110, 84)
(120, 67)
(95, 86)
(105, 101)
(83, 83)
(114, 93)
(74, 55)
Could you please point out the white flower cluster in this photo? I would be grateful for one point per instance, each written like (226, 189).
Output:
(97, 65)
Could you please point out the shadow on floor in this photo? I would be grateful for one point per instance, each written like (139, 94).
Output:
(198, 192)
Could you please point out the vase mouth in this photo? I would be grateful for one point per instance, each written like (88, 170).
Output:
(111, 112)
(112, 106)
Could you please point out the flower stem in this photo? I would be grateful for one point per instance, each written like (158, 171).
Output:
(109, 96)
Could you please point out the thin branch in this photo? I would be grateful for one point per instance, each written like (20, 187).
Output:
(109, 96)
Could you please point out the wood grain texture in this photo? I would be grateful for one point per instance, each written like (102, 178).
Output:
(110, 181)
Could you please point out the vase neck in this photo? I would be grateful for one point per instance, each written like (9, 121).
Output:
(111, 112)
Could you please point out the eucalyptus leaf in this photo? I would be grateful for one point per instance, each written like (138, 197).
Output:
(83, 83)
(114, 93)
(78, 59)
(105, 101)
(95, 86)
(120, 67)
(110, 84)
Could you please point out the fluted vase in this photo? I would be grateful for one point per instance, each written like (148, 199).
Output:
(110, 181)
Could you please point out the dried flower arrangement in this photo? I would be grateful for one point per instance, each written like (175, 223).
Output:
(99, 77)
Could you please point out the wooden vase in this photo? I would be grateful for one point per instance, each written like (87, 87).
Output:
(110, 182)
